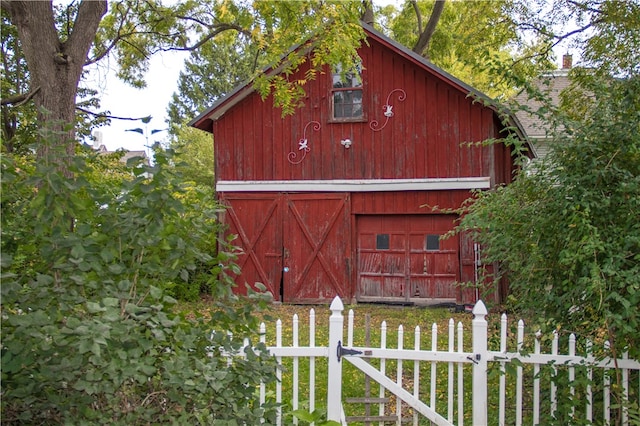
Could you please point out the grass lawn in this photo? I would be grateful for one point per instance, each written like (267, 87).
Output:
(394, 316)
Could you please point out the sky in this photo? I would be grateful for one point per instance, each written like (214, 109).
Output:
(123, 100)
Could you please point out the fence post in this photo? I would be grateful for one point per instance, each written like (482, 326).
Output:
(480, 354)
(334, 382)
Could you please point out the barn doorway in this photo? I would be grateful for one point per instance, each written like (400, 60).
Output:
(402, 258)
(297, 245)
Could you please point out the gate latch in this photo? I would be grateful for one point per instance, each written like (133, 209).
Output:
(475, 359)
(345, 351)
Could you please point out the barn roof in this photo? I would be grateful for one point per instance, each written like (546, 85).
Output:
(204, 121)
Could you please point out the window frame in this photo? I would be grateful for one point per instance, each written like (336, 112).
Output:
(347, 88)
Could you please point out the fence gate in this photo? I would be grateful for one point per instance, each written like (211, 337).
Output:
(530, 403)
(356, 357)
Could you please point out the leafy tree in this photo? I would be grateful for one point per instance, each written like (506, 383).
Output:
(211, 72)
(89, 333)
(604, 32)
(132, 31)
(105, 171)
(54, 76)
(194, 156)
(566, 232)
(469, 40)
(18, 112)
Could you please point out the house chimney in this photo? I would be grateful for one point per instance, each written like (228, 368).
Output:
(97, 139)
(567, 62)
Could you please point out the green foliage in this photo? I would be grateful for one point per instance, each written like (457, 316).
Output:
(616, 47)
(469, 37)
(193, 160)
(210, 73)
(317, 417)
(89, 334)
(566, 232)
(194, 156)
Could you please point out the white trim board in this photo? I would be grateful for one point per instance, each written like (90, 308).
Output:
(354, 185)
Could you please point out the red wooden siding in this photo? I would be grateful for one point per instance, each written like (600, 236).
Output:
(409, 202)
(424, 138)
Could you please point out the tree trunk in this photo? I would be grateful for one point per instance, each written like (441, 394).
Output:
(422, 45)
(367, 15)
(55, 67)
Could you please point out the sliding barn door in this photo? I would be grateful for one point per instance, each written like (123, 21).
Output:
(317, 247)
(256, 220)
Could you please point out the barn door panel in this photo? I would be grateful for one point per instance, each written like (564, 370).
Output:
(317, 247)
(401, 258)
(381, 257)
(434, 263)
(256, 220)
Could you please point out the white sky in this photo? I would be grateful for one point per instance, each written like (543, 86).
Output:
(123, 100)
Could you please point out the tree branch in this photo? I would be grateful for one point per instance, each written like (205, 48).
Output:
(584, 7)
(114, 117)
(219, 28)
(418, 15)
(21, 99)
(367, 16)
(115, 39)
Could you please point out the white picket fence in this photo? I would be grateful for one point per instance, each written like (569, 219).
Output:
(523, 393)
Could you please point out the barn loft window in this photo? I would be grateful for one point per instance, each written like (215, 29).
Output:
(382, 242)
(347, 94)
(433, 242)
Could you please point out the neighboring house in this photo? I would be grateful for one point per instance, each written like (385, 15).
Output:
(99, 147)
(127, 154)
(338, 199)
(551, 84)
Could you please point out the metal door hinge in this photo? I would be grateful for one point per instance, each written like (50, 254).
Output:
(341, 351)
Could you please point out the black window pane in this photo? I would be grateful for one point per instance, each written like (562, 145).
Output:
(347, 104)
(433, 242)
(382, 242)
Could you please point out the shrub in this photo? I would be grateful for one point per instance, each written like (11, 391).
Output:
(89, 333)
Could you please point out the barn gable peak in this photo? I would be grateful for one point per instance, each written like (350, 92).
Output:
(204, 121)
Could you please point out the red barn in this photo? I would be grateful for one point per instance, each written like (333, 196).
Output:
(331, 200)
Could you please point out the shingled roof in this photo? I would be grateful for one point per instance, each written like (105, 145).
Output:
(536, 130)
